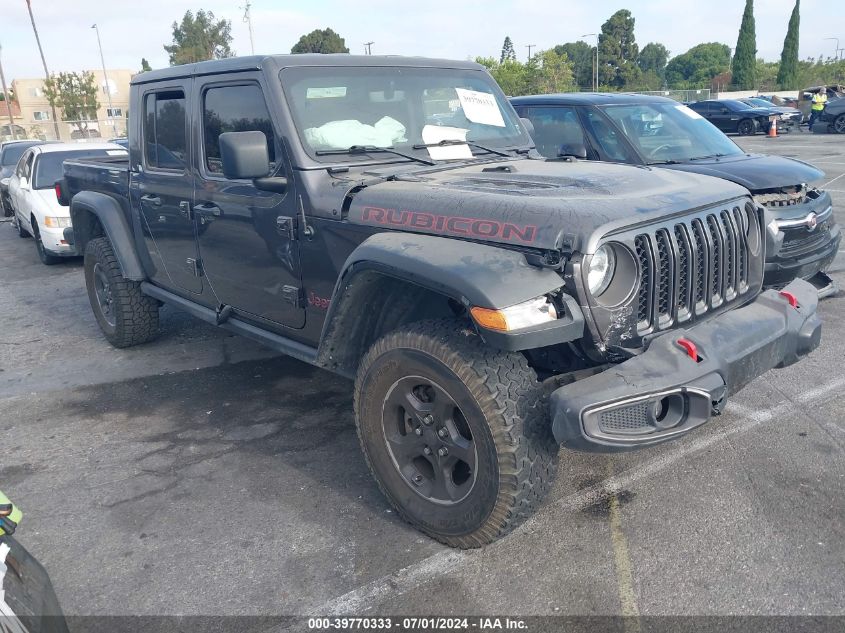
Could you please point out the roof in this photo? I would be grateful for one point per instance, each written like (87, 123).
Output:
(271, 62)
(589, 98)
(69, 147)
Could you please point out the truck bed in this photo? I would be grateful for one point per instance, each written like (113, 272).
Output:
(106, 174)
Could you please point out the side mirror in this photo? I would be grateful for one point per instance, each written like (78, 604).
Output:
(244, 155)
(573, 149)
(528, 126)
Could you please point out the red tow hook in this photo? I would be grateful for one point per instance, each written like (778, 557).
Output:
(791, 298)
(689, 347)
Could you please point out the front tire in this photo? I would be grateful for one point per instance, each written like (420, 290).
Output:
(839, 124)
(22, 232)
(46, 257)
(745, 127)
(454, 432)
(125, 315)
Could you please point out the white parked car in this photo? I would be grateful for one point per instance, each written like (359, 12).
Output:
(32, 194)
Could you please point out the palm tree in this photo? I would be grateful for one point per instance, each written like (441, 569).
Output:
(44, 63)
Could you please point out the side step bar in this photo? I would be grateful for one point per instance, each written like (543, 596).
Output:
(276, 342)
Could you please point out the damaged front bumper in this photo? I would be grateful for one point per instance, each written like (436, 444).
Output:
(665, 392)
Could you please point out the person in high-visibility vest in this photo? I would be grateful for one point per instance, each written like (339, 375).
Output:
(819, 101)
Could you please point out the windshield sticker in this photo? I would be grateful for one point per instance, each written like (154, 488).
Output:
(438, 133)
(689, 112)
(480, 107)
(325, 93)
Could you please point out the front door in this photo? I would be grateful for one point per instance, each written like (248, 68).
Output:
(247, 238)
(163, 188)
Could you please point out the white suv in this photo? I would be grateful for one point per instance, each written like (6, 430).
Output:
(32, 194)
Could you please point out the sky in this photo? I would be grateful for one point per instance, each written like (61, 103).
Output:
(454, 29)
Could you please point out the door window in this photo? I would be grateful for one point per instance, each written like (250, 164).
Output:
(25, 166)
(557, 130)
(234, 109)
(165, 130)
(610, 141)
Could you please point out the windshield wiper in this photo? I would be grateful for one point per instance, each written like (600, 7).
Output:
(664, 162)
(706, 157)
(372, 149)
(447, 142)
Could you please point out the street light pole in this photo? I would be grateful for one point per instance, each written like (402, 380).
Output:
(105, 78)
(248, 20)
(836, 50)
(596, 35)
(6, 99)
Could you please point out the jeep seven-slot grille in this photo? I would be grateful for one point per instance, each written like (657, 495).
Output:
(691, 268)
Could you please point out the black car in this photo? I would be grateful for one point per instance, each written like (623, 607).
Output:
(802, 235)
(10, 152)
(732, 115)
(788, 116)
(834, 115)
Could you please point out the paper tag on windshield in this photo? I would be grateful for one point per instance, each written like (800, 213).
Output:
(480, 107)
(689, 112)
(437, 133)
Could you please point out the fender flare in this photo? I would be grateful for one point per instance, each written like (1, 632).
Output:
(113, 220)
(470, 273)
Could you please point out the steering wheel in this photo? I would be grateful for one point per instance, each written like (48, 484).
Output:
(653, 153)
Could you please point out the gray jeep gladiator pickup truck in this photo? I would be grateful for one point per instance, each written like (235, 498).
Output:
(388, 219)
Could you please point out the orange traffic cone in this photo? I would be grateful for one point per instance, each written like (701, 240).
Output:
(773, 129)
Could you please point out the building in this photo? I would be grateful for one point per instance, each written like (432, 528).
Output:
(37, 119)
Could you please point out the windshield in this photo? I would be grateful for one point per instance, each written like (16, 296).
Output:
(49, 167)
(670, 132)
(758, 103)
(338, 108)
(11, 153)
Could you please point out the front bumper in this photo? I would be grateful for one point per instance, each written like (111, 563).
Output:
(663, 393)
(54, 241)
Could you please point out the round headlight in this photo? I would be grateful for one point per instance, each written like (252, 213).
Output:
(600, 274)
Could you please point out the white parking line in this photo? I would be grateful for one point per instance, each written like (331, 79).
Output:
(408, 578)
(835, 179)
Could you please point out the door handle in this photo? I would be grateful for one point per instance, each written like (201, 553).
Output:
(151, 199)
(208, 209)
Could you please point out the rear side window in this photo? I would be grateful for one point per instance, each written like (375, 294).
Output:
(234, 109)
(557, 130)
(165, 130)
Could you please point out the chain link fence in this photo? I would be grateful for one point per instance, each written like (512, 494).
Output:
(684, 96)
(69, 131)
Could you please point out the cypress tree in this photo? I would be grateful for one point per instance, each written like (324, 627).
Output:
(508, 54)
(745, 55)
(788, 71)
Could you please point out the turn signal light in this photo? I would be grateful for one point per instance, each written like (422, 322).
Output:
(491, 319)
(791, 298)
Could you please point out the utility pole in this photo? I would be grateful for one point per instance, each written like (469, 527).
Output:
(837, 49)
(43, 63)
(596, 82)
(248, 20)
(529, 47)
(105, 79)
(7, 100)
(368, 48)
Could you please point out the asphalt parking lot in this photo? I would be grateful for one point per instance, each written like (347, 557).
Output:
(201, 474)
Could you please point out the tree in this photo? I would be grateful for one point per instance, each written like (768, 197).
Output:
(75, 95)
(698, 66)
(618, 51)
(508, 54)
(745, 55)
(145, 65)
(199, 38)
(653, 58)
(545, 72)
(317, 41)
(553, 75)
(788, 71)
(582, 56)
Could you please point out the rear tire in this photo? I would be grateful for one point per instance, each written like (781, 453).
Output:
(745, 127)
(125, 315)
(484, 407)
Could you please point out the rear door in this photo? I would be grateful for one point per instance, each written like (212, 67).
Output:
(248, 239)
(163, 186)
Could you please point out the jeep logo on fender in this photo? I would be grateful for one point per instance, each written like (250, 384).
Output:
(450, 225)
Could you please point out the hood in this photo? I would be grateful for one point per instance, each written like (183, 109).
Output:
(754, 171)
(550, 205)
(761, 111)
